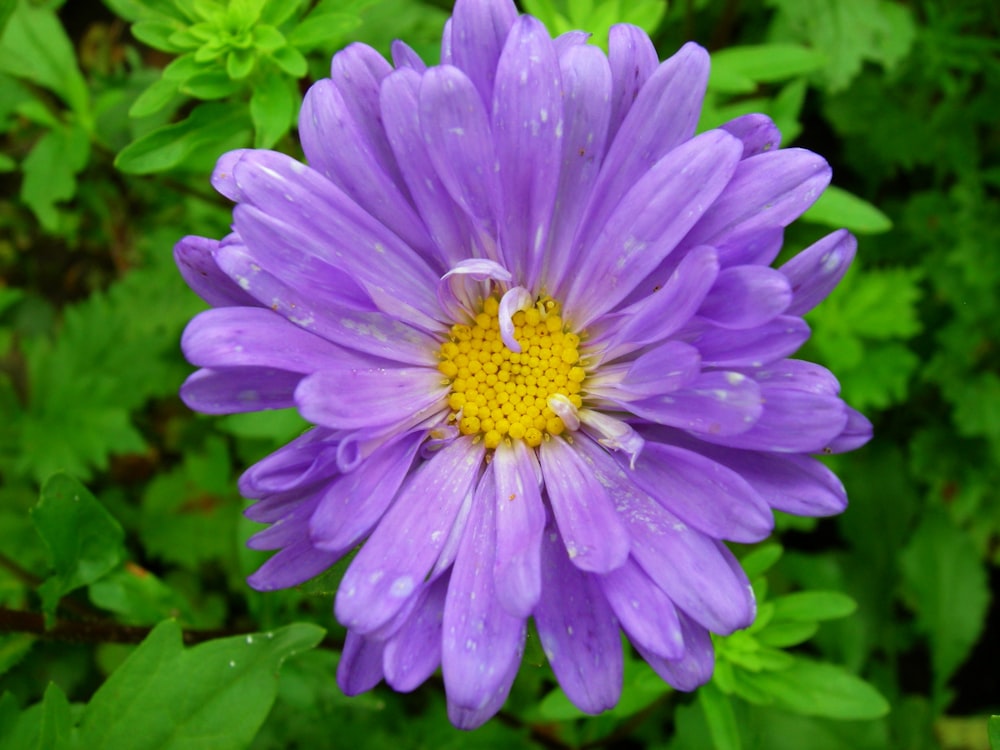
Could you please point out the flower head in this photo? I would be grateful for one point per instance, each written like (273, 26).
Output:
(532, 317)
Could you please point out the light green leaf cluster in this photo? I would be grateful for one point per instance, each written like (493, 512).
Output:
(596, 16)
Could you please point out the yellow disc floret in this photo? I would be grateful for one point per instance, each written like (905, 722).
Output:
(498, 394)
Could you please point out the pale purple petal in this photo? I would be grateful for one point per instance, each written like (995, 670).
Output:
(717, 403)
(404, 56)
(513, 301)
(466, 284)
(856, 433)
(754, 247)
(707, 495)
(647, 615)
(758, 133)
(413, 653)
(369, 332)
(746, 297)
(520, 520)
(291, 566)
(195, 260)
(350, 395)
(472, 718)
(693, 669)
(633, 60)
(652, 218)
(662, 369)
(360, 665)
(578, 631)
(815, 271)
(234, 390)
(456, 131)
(586, 85)
(723, 347)
(309, 458)
(528, 129)
(768, 190)
(594, 536)
(355, 502)
(479, 639)
(478, 32)
(406, 543)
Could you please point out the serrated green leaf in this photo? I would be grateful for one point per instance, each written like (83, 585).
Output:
(811, 606)
(721, 720)
(50, 172)
(944, 578)
(816, 688)
(35, 46)
(217, 694)
(84, 541)
(272, 108)
(839, 208)
(209, 126)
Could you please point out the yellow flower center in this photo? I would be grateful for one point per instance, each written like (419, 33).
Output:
(498, 394)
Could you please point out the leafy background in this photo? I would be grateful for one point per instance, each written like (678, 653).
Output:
(124, 618)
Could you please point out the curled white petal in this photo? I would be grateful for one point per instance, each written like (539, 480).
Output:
(513, 300)
(613, 433)
(566, 411)
(467, 283)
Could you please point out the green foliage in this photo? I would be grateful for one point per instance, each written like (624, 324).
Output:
(596, 16)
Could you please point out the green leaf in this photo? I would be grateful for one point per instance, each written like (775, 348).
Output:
(290, 60)
(211, 126)
(157, 96)
(272, 108)
(948, 588)
(318, 30)
(739, 69)
(6, 11)
(239, 63)
(994, 733)
(84, 541)
(718, 710)
(35, 46)
(810, 606)
(816, 688)
(57, 725)
(157, 34)
(838, 208)
(785, 634)
(50, 172)
(216, 695)
(759, 561)
(213, 84)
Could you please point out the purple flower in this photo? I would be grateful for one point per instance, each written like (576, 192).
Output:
(533, 318)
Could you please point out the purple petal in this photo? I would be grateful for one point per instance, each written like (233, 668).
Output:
(578, 631)
(461, 291)
(368, 332)
(480, 640)
(633, 60)
(478, 32)
(405, 544)
(662, 369)
(459, 143)
(688, 565)
(360, 665)
(569, 39)
(448, 224)
(707, 495)
(815, 271)
(647, 615)
(195, 260)
(693, 669)
(586, 86)
(404, 56)
(594, 536)
(255, 337)
(234, 390)
(304, 461)
(856, 433)
(291, 566)
(413, 653)
(768, 190)
(651, 219)
(520, 522)
(347, 153)
(314, 212)
(755, 247)
(746, 297)
(776, 339)
(528, 129)
(662, 117)
(717, 403)
(355, 502)
(349, 395)
(291, 528)
(797, 374)
(758, 133)
(794, 421)
(472, 718)
(665, 308)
